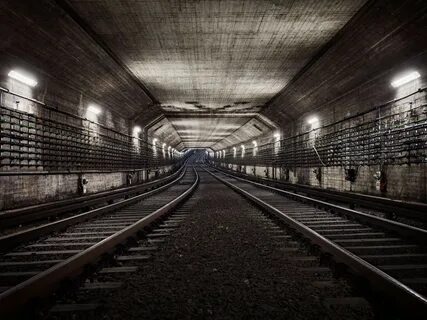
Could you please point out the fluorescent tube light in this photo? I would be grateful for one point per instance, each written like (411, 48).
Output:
(94, 109)
(22, 78)
(313, 120)
(405, 79)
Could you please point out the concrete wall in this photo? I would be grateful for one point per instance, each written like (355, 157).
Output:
(406, 182)
(24, 190)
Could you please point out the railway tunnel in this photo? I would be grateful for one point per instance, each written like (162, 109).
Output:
(213, 159)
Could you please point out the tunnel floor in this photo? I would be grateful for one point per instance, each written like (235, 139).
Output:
(227, 260)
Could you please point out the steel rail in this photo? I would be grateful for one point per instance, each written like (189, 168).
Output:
(418, 234)
(386, 205)
(17, 216)
(43, 284)
(12, 240)
(405, 299)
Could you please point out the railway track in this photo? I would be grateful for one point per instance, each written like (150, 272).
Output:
(31, 272)
(196, 254)
(14, 219)
(391, 257)
(86, 299)
(413, 213)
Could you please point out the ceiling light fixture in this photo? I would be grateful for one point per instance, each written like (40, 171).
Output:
(405, 79)
(22, 78)
(94, 109)
(313, 120)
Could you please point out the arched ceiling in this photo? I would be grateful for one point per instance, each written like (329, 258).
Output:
(214, 57)
(229, 55)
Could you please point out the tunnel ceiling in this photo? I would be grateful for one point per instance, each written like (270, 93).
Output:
(200, 129)
(214, 56)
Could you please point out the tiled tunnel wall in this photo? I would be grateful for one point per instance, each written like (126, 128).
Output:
(406, 176)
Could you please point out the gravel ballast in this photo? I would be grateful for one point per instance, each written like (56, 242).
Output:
(228, 261)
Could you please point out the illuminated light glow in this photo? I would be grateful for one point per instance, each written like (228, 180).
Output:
(234, 151)
(313, 120)
(154, 147)
(22, 78)
(405, 79)
(243, 150)
(163, 150)
(137, 129)
(276, 142)
(94, 109)
(223, 153)
(255, 149)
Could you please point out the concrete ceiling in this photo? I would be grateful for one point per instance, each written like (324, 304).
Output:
(229, 56)
(72, 70)
(353, 71)
(198, 129)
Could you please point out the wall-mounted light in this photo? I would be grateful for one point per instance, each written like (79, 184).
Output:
(136, 130)
(313, 120)
(255, 148)
(276, 142)
(94, 109)
(22, 78)
(163, 149)
(408, 77)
